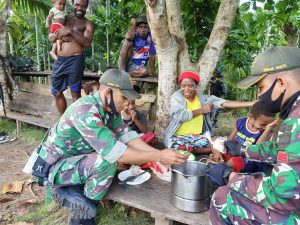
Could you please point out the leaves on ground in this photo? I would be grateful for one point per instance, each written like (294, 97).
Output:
(15, 187)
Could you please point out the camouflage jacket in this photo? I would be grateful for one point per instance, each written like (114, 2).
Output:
(281, 190)
(84, 128)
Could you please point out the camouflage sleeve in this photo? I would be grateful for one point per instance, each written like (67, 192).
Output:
(89, 124)
(123, 131)
(265, 151)
(280, 191)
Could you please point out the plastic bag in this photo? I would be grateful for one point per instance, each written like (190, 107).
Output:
(161, 171)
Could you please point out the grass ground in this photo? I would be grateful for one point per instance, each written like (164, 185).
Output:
(116, 214)
(113, 213)
(30, 134)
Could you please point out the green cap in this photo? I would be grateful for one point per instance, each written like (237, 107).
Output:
(273, 60)
(141, 19)
(120, 80)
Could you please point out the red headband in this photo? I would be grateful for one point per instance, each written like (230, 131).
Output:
(189, 74)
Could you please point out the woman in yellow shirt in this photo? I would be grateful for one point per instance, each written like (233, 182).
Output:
(189, 113)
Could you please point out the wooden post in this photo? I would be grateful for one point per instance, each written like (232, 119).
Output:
(18, 131)
(161, 220)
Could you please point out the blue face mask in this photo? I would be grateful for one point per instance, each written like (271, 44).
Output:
(111, 105)
(266, 99)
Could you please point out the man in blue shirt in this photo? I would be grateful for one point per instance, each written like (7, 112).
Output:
(138, 49)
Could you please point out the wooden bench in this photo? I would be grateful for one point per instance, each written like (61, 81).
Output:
(148, 83)
(35, 105)
(92, 75)
(153, 196)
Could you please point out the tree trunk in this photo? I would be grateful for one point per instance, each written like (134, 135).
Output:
(11, 44)
(107, 32)
(165, 21)
(167, 46)
(6, 80)
(37, 43)
(217, 40)
(49, 61)
(291, 34)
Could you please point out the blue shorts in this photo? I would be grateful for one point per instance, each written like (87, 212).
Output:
(67, 72)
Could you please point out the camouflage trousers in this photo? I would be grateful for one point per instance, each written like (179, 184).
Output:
(89, 169)
(230, 207)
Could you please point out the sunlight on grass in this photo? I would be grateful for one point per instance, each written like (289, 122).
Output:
(44, 214)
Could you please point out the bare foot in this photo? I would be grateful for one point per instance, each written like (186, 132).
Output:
(53, 55)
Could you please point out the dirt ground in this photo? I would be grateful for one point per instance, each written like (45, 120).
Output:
(13, 157)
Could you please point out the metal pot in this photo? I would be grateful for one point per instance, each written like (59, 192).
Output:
(189, 181)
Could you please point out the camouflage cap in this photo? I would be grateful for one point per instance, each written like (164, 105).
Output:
(141, 19)
(273, 60)
(120, 80)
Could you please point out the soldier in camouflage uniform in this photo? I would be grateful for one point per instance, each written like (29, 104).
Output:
(274, 199)
(90, 138)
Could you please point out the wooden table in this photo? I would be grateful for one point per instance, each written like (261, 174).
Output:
(153, 196)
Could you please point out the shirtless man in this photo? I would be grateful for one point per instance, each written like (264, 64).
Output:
(67, 71)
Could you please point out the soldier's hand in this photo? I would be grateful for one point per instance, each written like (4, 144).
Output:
(171, 156)
(207, 108)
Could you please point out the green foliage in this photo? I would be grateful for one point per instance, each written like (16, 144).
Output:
(31, 6)
(257, 26)
(119, 214)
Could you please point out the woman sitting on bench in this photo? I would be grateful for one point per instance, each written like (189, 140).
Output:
(189, 111)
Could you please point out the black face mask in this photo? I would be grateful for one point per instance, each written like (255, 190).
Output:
(266, 98)
(111, 105)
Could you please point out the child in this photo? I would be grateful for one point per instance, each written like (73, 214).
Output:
(137, 121)
(249, 131)
(57, 15)
(91, 87)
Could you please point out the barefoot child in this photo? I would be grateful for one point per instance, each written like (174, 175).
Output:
(57, 15)
(249, 131)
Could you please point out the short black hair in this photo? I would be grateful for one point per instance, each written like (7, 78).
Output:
(87, 2)
(259, 108)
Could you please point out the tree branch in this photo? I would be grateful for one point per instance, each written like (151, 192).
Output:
(176, 28)
(217, 39)
(157, 19)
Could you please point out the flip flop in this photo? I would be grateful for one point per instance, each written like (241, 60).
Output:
(4, 139)
(12, 139)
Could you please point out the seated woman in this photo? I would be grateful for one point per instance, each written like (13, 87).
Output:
(190, 115)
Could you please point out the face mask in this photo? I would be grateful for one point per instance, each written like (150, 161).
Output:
(111, 106)
(266, 98)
